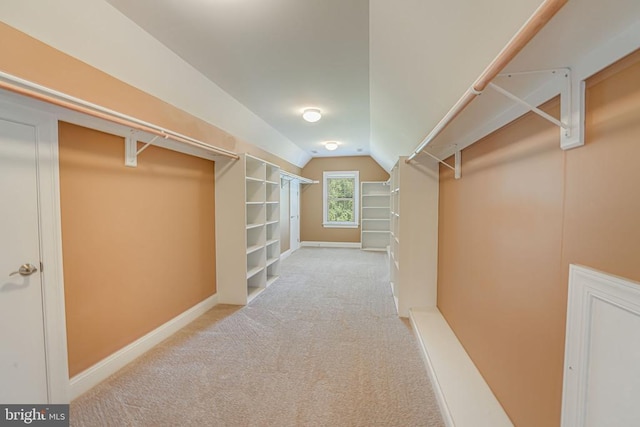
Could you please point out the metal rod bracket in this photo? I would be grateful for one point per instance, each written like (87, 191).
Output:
(572, 105)
(131, 150)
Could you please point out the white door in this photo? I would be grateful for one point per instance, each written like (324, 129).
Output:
(23, 369)
(294, 212)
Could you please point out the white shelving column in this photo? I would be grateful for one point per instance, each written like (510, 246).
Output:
(413, 252)
(255, 208)
(272, 224)
(247, 228)
(374, 229)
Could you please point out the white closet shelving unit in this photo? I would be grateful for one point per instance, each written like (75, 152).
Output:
(413, 249)
(375, 205)
(248, 205)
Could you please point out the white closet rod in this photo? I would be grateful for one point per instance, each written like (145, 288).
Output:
(43, 93)
(292, 176)
(534, 24)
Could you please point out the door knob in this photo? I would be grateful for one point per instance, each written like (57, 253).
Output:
(25, 270)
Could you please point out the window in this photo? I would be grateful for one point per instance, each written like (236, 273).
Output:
(340, 199)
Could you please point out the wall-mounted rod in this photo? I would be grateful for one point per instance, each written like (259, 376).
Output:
(291, 176)
(534, 24)
(50, 96)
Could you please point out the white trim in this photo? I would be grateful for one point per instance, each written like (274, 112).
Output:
(356, 198)
(116, 361)
(464, 398)
(284, 255)
(586, 362)
(350, 245)
(50, 244)
(341, 225)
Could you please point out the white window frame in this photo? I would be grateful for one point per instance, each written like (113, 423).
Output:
(326, 175)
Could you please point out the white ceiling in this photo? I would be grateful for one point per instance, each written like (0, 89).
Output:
(276, 57)
(383, 72)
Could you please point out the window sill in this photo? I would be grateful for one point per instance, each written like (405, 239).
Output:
(330, 225)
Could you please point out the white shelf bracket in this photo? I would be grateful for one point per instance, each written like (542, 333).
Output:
(458, 164)
(571, 121)
(457, 168)
(573, 107)
(131, 151)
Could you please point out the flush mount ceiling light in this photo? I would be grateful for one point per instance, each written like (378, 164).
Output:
(331, 145)
(311, 114)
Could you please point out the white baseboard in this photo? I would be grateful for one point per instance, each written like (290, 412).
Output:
(90, 377)
(285, 254)
(354, 245)
(464, 397)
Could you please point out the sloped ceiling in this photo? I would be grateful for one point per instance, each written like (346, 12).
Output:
(383, 72)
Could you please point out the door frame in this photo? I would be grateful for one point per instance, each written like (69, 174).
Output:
(50, 231)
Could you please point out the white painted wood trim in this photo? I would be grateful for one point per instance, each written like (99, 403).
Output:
(285, 254)
(116, 361)
(51, 255)
(588, 288)
(464, 397)
(353, 245)
(50, 242)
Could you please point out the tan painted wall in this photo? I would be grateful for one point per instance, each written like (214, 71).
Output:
(311, 228)
(138, 243)
(523, 210)
(33, 60)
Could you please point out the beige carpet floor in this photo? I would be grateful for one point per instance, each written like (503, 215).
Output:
(322, 346)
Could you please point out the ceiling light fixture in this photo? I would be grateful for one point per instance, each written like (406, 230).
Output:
(311, 115)
(331, 145)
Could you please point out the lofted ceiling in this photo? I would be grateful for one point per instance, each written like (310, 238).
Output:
(276, 57)
(383, 72)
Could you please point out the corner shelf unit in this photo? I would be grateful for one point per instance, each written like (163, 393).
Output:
(247, 204)
(375, 209)
(413, 248)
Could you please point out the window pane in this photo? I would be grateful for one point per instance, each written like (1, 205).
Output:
(340, 211)
(341, 188)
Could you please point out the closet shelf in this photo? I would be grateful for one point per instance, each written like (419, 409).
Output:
(255, 270)
(250, 193)
(254, 248)
(376, 205)
(270, 261)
